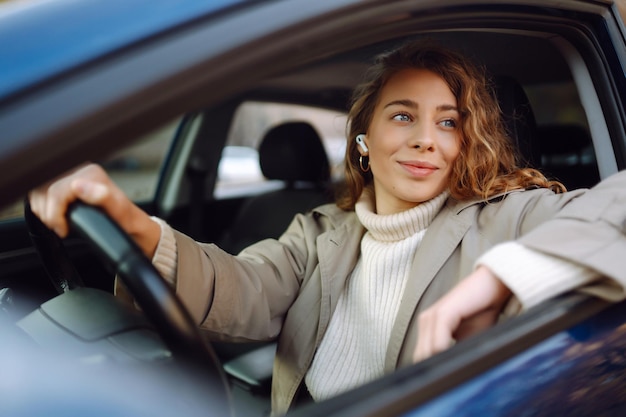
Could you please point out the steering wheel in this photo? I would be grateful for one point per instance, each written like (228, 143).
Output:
(156, 298)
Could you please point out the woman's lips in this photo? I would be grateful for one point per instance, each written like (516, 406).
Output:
(418, 168)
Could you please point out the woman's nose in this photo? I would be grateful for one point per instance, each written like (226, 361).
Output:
(422, 137)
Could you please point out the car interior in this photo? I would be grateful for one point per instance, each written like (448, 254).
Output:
(294, 143)
(291, 151)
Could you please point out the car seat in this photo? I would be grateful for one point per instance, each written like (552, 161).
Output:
(519, 119)
(291, 152)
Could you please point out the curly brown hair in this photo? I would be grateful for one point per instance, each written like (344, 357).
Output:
(488, 163)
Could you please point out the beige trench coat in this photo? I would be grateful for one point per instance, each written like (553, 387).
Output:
(288, 288)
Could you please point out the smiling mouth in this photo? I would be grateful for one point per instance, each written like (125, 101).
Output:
(419, 169)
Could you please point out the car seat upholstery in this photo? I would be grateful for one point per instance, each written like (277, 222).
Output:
(519, 119)
(291, 152)
(567, 155)
(563, 152)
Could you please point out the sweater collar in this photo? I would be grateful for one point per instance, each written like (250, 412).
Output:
(397, 226)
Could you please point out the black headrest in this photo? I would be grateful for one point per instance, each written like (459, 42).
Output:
(519, 118)
(293, 151)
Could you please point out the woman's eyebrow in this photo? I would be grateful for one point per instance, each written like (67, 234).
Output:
(402, 102)
(412, 104)
(447, 107)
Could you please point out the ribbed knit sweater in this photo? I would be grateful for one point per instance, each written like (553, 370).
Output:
(353, 349)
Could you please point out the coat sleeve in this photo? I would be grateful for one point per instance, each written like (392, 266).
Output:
(590, 231)
(533, 276)
(245, 297)
(582, 246)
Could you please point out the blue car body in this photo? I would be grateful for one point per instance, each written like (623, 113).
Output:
(56, 36)
(557, 376)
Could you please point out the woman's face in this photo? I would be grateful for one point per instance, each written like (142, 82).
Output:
(413, 140)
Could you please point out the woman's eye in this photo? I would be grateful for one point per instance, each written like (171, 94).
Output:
(402, 117)
(451, 123)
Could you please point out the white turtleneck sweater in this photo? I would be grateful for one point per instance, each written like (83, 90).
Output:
(353, 349)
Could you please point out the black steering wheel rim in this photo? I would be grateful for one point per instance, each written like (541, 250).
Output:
(154, 296)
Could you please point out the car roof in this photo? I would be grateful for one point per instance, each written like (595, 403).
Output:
(55, 35)
(58, 35)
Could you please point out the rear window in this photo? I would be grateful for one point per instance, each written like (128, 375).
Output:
(239, 172)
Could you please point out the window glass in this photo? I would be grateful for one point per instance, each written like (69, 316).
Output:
(239, 172)
(136, 169)
(556, 103)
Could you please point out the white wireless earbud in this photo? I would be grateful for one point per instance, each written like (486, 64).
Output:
(361, 142)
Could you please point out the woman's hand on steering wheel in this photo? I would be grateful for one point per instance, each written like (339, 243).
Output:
(91, 185)
(110, 228)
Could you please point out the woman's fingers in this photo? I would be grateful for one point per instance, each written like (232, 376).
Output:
(92, 185)
(476, 324)
(49, 204)
(90, 192)
(436, 327)
(50, 201)
(472, 306)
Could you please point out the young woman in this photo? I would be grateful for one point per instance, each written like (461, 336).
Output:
(357, 289)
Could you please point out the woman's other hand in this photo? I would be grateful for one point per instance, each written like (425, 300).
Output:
(470, 307)
(92, 185)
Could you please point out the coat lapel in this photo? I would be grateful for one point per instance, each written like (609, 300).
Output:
(338, 252)
(441, 239)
